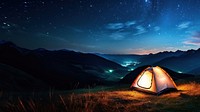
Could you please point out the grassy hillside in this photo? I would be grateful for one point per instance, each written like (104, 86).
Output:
(61, 69)
(13, 79)
(187, 98)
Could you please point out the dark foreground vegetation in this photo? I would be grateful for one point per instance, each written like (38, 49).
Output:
(187, 98)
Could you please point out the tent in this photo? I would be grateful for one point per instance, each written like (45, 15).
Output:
(154, 80)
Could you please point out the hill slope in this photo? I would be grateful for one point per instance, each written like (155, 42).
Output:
(129, 78)
(152, 58)
(17, 80)
(184, 63)
(134, 61)
(61, 69)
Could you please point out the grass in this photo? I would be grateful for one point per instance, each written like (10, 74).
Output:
(187, 99)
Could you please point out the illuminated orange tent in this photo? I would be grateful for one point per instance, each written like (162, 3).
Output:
(154, 80)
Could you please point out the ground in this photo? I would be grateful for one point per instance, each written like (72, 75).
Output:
(186, 99)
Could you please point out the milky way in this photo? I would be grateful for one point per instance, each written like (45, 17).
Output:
(102, 26)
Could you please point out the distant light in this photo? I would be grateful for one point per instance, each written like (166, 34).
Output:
(128, 63)
(125, 65)
(110, 70)
(131, 69)
(121, 77)
(180, 72)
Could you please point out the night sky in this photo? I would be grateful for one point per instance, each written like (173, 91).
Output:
(102, 26)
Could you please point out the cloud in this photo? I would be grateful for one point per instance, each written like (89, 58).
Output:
(130, 23)
(140, 30)
(115, 26)
(118, 35)
(196, 35)
(184, 25)
(192, 42)
(156, 28)
(142, 51)
(194, 39)
(120, 31)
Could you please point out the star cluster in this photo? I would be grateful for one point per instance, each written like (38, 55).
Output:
(122, 26)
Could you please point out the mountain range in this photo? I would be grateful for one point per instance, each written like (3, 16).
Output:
(188, 62)
(60, 69)
(179, 61)
(40, 69)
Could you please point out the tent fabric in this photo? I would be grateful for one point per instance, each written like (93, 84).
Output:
(154, 80)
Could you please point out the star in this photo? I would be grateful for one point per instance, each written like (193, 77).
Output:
(122, 23)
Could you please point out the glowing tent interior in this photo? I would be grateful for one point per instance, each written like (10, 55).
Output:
(154, 80)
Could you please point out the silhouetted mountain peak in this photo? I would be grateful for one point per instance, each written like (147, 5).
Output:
(167, 52)
(6, 43)
(179, 51)
(9, 46)
(60, 68)
(2, 41)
